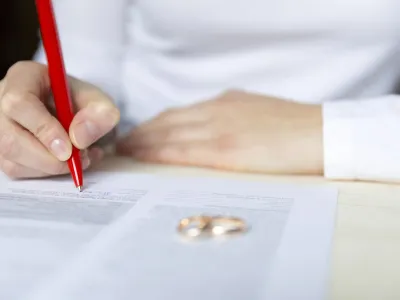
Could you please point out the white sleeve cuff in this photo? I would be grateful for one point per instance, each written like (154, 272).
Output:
(361, 139)
(339, 144)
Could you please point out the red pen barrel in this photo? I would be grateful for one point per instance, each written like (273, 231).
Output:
(58, 79)
(75, 167)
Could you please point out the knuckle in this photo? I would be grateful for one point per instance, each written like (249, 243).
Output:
(12, 101)
(169, 111)
(168, 114)
(225, 96)
(47, 129)
(229, 97)
(24, 65)
(7, 144)
(178, 134)
(19, 65)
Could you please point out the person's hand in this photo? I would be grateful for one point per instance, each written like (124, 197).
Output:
(32, 141)
(237, 131)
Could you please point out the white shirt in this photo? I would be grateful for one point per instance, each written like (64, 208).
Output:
(154, 54)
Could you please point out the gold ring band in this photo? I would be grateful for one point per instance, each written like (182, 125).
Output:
(221, 225)
(196, 226)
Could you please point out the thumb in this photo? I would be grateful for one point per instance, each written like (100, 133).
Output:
(96, 114)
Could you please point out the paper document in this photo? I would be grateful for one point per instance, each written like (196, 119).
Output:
(118, 239)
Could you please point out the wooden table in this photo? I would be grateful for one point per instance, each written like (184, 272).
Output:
(366, 254)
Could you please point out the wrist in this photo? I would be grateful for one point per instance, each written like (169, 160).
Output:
(317, 146)
(310, 142)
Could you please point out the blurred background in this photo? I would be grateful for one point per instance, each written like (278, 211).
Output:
(18, 32)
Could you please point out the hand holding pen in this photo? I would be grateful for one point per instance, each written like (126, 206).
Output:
(33, 142)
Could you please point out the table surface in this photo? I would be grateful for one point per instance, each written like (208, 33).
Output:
(366, 249)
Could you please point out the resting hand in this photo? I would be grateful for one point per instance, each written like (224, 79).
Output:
(32, 141)
(237, 131)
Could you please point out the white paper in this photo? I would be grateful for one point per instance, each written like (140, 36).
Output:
(285, 254)
(45, 223)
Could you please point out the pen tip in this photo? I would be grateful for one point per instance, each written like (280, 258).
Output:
(79, 188)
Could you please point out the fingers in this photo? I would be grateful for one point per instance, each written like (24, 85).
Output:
(195, 114)
(15, 170)
(93, 121)
(190, 136)
(22, 103)
(25, 157)
(201, 154)
(226, 152)
(32, 142)
(21, 147)
(29, 77)
(28, 111)
(97, 114)
(186, 124)
(25, 89)
(168, 135)
(194, 145)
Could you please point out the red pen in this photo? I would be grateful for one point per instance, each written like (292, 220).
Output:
(58, 80)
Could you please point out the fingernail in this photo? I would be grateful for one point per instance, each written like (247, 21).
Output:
(86, 133)
(92, 129)
(60, 149)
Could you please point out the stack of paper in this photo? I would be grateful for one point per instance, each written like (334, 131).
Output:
(118, 239)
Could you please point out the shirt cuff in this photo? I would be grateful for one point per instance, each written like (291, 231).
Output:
(339, 143)
(360, 139)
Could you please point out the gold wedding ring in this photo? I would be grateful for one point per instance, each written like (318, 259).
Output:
(197, 226)
(194, 226)
(221, 225)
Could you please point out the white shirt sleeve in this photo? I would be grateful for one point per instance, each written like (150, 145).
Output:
(362, 139)
(92, 39)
